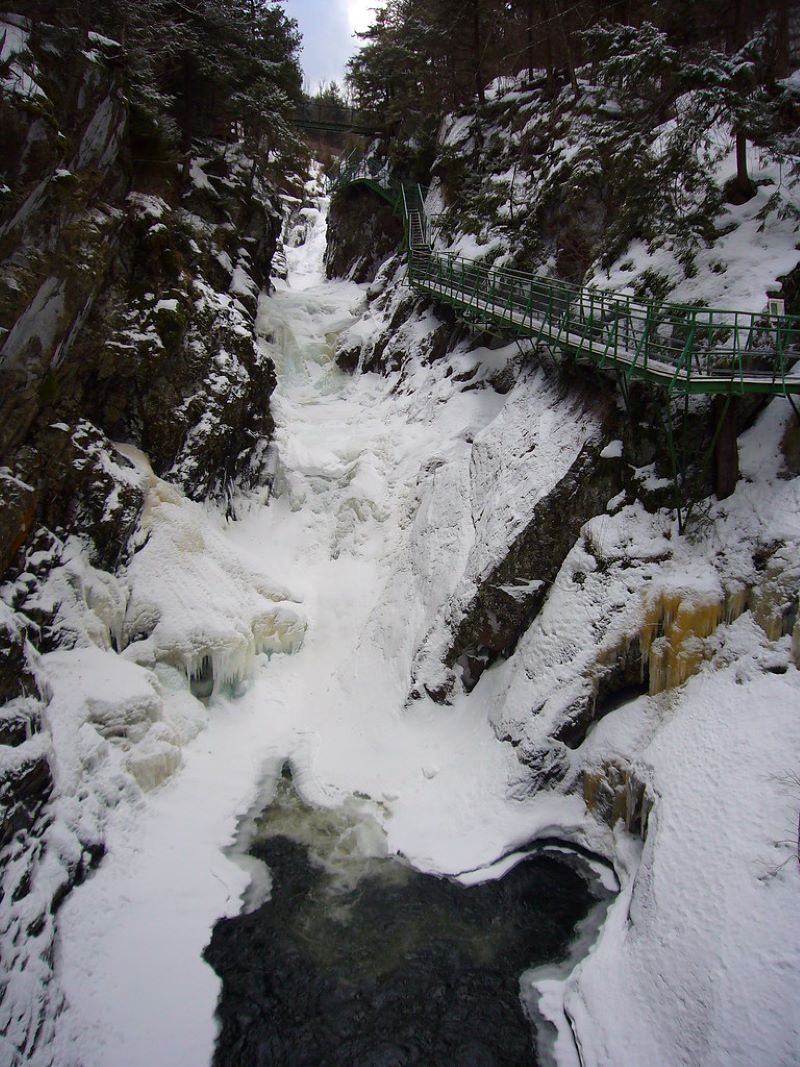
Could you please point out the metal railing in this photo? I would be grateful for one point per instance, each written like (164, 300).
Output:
(685, 348)
(315, 116)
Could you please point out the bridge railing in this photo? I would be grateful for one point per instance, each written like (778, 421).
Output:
(334, 115)
(355, 168)
(649, 338)
(678, 345)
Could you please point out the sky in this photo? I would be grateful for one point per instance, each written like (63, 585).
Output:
(327, 27)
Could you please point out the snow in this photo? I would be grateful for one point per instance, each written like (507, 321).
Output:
(198, 176)
(714, 930)
(699, 958)
(613, 450)
(754, 247)
(102, 136)
(13, 40)
(7, 476)
(105, 42)
(194, 603)
(242, 283)
(38, 325)
(392, 497)
(337, 532)
(146, 206)
(17, 78)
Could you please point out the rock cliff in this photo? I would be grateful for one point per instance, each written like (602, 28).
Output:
(130, 278)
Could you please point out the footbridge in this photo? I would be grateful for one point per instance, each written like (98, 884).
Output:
(334, 119)
(683, 349)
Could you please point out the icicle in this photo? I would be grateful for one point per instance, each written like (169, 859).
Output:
(736, 603)
(673, 635)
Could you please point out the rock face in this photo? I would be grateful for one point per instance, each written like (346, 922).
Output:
(500, 612)
(363, 232)
(130, 279)
(127, 308)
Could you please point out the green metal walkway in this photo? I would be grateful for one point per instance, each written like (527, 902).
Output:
(682, 349)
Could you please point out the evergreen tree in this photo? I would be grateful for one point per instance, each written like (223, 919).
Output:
(196, 67)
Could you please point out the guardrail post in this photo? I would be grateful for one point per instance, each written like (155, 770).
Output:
(780, 352)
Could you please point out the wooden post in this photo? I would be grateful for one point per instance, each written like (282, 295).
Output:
(726, 450)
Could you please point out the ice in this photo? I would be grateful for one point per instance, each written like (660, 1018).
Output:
(613, 450)
(194, 603)
(95, 695)
(156, 757)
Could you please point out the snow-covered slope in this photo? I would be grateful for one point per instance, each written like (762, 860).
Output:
(588, 189)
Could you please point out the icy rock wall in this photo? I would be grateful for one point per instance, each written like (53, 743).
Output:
(128, 298)
(362, 233)
(127, 312)
(651, 671)
(114, 709)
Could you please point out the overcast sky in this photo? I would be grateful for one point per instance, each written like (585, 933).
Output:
(327, 27)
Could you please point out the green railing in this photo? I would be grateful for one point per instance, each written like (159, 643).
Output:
(316, 116)
(685, 349)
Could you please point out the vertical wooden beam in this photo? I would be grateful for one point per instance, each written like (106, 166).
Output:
(726, 448)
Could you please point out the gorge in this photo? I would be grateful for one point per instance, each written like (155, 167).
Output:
(317, 599)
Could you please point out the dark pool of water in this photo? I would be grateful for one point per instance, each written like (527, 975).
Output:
(386, 967)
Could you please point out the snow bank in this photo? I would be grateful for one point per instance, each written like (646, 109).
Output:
(700, 959)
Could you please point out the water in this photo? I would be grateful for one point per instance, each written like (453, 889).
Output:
(357, 960)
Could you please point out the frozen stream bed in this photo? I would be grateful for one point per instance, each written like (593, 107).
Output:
(303, 621)
(343, 543)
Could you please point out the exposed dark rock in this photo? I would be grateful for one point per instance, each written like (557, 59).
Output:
(86, 487)
(18, 721)
(726, 449)
(18, 507)
(790, 291)
(363, 231)
(790, 446)
(625, 680)
(25, 788)
(495, 621)
(15, 675)
(131, 316)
